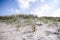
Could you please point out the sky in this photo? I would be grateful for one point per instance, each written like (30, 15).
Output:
(35, 7)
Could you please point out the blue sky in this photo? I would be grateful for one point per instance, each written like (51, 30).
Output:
(35, 7)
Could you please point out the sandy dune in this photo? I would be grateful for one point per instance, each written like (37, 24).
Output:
(47, 31)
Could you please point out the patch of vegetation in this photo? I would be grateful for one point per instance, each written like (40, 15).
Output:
(29, 20)
(50, 19)
(18, 26)
(33, 28)
(15, 17)
(32, 23)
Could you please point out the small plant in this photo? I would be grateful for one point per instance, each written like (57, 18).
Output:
(33, 28)
(18, 26)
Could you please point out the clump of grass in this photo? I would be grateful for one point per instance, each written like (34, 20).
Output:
(32, 23)
(33, 28)
(18, 26)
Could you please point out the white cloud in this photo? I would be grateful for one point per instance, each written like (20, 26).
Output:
(14, 11)
(47, 10)
(56, 13)
(42, 1)
(17, 11)
(55, 1)
(25, 3)
(41, 11)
